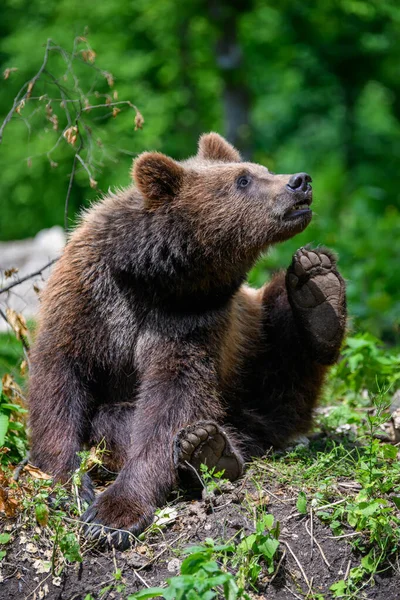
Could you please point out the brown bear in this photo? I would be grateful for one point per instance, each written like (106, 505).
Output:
(150, 340)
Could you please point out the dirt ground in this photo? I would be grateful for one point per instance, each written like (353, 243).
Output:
(310, 558)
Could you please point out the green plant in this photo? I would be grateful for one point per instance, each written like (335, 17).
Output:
(366, 365)
(262, 545)
(201, 578)
(4, 539)
(12, 429)
(213, 480)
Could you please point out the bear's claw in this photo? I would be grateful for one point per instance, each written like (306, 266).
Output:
(316, 293)
(205, 442)
(117, 523)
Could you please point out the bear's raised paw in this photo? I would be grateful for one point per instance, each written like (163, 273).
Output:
(316, 293)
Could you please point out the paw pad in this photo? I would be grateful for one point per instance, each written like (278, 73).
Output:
(205, 442)
(316, 293)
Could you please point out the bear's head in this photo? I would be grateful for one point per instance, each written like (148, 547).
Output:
(233, 209)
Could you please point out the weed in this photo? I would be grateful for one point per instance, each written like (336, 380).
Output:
(213, 480)
(262, 545)
(13, 436)
(201, 578)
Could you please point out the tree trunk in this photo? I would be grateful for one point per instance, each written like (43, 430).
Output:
(236, 97)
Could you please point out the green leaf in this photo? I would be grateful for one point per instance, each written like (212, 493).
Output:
(193, 563)
(339, 589)
(4, 538)
(301, 503)
(369, 563)
(2, 554)
(69, 546)
(396, 501)
(147, 593)
(231, 590)
(268, 521)
(247, 544)
(3, 428)
(389, 451)
(269, 547)
(42, 514)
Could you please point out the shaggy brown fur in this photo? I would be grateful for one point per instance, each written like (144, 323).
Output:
(146, 327)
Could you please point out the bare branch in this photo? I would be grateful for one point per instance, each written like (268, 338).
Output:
(70, 183)
(28, 86)
(68, 111)
(22, 279)
(23, 339)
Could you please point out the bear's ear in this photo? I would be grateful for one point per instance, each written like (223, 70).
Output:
(213, 146)
(157, 176)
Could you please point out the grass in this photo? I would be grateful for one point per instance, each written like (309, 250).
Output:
(347, 479)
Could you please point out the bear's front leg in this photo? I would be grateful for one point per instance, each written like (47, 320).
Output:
(174, 422)
(316, 293)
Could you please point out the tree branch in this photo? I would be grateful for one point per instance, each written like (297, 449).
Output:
(22, 279)
(29, 84)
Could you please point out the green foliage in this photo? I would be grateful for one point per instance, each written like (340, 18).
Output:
(262, 545)
(10, 355)
(4, 539)
(301, 503)
(212, 479)
(12, 430)
(367, 365)
(200, 578)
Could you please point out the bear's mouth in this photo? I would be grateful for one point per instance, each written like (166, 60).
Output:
(300, 208)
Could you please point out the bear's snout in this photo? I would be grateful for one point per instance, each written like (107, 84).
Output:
(299, 182)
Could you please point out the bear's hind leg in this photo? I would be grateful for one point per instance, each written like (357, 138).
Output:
(206, 442)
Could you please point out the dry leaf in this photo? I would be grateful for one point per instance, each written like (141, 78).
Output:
(20, 107)
(23, 367)
(54, 121)
(115, 111)
(109, 78)
(30, 88)
(89, 55)
(35, 472)
(139, 120)
(7, 72)
(17, 322)
(7, 383)
(10, 272)
(71, 134)
(41, 566)
(8, 506)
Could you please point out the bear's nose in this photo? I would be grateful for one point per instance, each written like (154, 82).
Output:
(299, 182)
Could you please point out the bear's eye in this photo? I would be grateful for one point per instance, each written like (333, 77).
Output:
(243, 181)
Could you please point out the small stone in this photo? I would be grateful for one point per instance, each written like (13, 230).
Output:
(174, 565)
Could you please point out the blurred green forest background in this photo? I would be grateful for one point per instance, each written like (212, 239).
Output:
(295, 85)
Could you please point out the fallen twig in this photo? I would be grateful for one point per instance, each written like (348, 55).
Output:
(278, 567)
(298, 564)
(310, 533)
